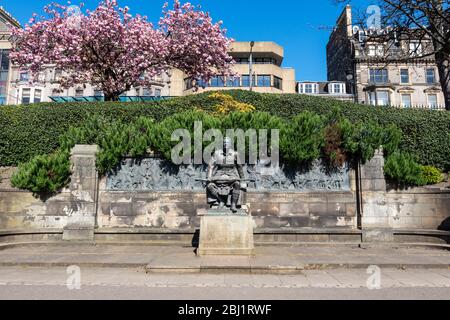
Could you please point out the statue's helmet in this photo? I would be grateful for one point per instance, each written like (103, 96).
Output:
(227, 143)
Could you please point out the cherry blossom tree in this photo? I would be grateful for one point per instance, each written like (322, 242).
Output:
(114, 51)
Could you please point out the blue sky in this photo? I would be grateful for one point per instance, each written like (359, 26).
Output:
(294, 24)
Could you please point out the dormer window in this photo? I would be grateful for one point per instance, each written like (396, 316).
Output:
(415, 48)
(376, 50)
(308, 88)
(337, 88)
(23, 77)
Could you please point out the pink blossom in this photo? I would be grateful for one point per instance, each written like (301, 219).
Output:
(115, 51)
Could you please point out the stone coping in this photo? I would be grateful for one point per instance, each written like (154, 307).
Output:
(4, 232)
(257, 231)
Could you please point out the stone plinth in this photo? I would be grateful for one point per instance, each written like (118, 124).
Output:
(224, 233)
(82, 208)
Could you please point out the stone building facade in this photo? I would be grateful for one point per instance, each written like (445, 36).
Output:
(377, 73)
(47, 89)
(5, 47)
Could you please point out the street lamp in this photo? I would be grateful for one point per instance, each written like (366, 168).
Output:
(351, 79)
(252, 43)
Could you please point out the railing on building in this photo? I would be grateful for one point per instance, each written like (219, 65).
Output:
(101, 98)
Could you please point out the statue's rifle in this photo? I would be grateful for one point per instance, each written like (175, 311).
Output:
(212, 180)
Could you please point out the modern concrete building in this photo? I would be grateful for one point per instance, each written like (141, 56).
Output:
(268, 74)
(5, 45)
(328, 89)
(377, 72)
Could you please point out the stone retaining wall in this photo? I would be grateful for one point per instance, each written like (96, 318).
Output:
(88, 204)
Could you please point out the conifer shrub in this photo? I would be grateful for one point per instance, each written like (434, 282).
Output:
(403, 169)
(43, 173)
(303, 139)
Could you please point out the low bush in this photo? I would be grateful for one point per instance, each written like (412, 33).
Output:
(432, 175)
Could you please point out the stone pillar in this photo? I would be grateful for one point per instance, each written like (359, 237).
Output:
(82, 208)
(375, 214)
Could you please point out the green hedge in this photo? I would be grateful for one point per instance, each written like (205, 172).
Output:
(27, 131)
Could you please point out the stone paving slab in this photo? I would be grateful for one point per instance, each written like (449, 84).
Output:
(129, 277)
(183, 259)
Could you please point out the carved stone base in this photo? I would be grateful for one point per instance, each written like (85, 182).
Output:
(225, 233)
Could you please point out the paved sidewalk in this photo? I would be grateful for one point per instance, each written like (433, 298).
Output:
(279, 259)
(135, 283)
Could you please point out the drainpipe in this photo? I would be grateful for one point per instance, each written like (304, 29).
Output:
(359, 207)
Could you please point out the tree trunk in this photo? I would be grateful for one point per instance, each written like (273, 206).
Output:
(443, 64)
(112, 96)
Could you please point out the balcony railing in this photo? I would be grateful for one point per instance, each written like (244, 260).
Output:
(101, 98)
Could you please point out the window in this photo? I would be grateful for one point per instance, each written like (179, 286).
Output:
(246, 80)
(372, 98)
(4, 71)
(37, 96)
(79, 92)
(55, 93)
(158, 92)
(23, 76)
(383, 98)
(58, 74)
(26, 96)
(308, 88)
(404, 76)
(431, 76)
(217, 81)
(406, 100)
(98, 93)
(242, 60)
(432, 101)
(202, 83)
(263, 80)
(337, 88)
(146, 92)
(379, 98)
(188, 83)
(379, 76)
(233, 82)
(3, 82)
(4, 60)
(256, 60)
(376, 50)
(278, 83)
(415, 48)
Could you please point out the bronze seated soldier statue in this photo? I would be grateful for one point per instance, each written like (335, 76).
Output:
(225, 176)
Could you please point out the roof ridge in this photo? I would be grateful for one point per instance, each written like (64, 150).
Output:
(9, 15)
